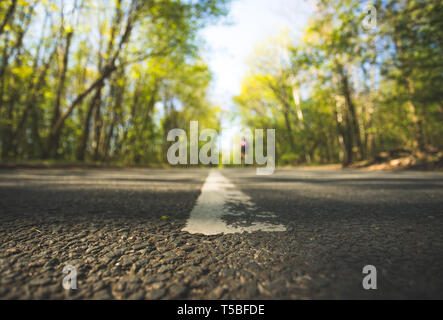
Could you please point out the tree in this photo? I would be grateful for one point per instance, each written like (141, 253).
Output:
(81, 79)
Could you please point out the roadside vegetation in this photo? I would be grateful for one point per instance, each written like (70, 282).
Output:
(353, 91)
(103, 82)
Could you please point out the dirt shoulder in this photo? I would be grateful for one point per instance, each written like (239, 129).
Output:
(389, 161)
(403, 160)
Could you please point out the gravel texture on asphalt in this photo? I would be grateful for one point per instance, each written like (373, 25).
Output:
(121, 229)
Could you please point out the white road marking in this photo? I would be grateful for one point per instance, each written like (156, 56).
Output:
(216, 195)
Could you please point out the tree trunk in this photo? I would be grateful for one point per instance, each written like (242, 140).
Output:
(86, 127)
(417, 122)
(354, 132)
(8, 16)
(54, 135)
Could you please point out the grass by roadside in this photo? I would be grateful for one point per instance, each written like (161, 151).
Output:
(64, 164)
(388, 160)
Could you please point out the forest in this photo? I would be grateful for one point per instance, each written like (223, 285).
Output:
(104, 81)
(101, 81)
(353, 89)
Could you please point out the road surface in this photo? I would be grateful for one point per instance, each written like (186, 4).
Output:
(220, 234)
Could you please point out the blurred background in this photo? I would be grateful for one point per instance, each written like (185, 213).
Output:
(342, 82)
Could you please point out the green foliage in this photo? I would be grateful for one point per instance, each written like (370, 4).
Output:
(347, 93)
(101, 80)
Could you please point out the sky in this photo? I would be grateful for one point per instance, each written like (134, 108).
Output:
(231, 42)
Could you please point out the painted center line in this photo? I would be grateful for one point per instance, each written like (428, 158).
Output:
(218, 203)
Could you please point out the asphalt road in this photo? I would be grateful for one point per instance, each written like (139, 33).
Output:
(155, 234)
